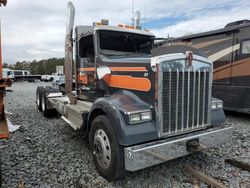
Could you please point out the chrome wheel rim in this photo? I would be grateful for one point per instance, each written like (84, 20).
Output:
(102, 149)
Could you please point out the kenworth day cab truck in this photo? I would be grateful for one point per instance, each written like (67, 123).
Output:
(140, 107)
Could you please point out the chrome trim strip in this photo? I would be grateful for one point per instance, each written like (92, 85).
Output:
(210, 94)
(198, 101)
(182, 110)
(160, 100)
(177, 98)
(193, 100)
(137, 112)
(152, 153)
(170, 97)
(204, 98)
(188, 99)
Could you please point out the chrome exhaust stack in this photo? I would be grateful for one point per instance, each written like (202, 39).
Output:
(137, 19)
(68, 64)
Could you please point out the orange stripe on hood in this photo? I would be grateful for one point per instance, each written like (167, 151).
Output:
(125, 81)
(129, 82)
(119, 69)
(130, 69)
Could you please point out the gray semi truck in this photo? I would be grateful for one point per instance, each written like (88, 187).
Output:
(140, 105)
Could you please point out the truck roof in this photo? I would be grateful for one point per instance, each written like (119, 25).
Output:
(87, 30)
(218, 31)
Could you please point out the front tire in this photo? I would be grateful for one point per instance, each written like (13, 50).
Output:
(107, 153)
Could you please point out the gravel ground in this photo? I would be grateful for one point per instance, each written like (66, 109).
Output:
(49, 153)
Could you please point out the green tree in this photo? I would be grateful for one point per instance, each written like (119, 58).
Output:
(5, 65)
(45, 66)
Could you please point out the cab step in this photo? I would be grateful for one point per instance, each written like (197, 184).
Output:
(75, 113)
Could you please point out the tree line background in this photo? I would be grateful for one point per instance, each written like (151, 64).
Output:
(45, 66)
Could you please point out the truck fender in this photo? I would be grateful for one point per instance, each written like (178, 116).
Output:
(113, 107)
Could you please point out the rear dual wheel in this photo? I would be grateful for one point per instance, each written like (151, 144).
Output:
(39, 91)
(42, 101)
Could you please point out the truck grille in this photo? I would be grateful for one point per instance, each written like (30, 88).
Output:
(185, 100)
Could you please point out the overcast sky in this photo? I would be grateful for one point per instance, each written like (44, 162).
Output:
(33, 29)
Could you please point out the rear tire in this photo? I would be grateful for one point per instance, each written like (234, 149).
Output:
(39, 91)
(44, 101)
(107, 153)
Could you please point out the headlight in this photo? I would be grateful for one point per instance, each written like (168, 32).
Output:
(217, 104)
(146, 116)
(220, 105)
(138, 117)
(214, 105)
(135, 117)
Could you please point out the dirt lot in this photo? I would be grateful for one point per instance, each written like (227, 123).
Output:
(49, 153)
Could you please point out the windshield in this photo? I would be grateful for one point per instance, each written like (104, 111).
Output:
(121, 43)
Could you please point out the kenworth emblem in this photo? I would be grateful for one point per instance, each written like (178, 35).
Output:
(189, 58)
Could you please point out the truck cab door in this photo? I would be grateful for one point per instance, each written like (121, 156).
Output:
(86, 71)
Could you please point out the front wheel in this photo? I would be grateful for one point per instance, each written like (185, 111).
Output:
(107, 153)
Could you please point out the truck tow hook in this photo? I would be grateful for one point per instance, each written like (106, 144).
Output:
(194, 145)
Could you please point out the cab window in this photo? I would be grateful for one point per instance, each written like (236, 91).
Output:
(86, 49)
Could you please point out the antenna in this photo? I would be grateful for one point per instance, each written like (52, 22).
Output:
(145, 11)
(133, 12)
(133, 6)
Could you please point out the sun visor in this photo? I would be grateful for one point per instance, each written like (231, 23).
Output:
(164, 50)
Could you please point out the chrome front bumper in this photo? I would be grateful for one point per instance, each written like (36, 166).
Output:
(149, 154)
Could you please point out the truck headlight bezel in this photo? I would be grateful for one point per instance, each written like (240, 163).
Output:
(217, 104)
(139, 116)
